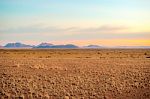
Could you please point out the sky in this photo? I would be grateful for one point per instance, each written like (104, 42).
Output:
(80, 22)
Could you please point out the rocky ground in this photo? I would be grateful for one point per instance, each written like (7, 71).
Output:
(75, 74)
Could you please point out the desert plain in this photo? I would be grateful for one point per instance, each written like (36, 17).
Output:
(74, 73)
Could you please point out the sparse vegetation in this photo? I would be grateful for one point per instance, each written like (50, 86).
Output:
(145, 53)
(75, 74)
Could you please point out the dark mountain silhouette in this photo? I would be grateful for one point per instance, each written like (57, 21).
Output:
(49, 45)
(17, 45)
(93, 46)
(58, 46)
(44, 45)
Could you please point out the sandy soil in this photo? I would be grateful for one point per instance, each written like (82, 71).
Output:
(75, 74)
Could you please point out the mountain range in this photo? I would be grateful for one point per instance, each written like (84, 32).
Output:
(49, 45)
(42, 45)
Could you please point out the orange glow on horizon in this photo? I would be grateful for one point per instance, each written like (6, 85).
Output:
(101, 42)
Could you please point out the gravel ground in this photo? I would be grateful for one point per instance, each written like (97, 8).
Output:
(75, 74)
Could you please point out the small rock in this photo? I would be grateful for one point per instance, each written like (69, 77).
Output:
(66, 97)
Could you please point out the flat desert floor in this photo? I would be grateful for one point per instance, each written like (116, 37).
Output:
(75, 73)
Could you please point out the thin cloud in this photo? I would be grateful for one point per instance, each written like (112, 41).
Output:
(105, 28)
(56, 33)
(52, 29)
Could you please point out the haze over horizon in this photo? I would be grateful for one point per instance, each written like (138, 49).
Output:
(79, 22)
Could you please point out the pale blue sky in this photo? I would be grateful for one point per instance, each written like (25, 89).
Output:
(60, 20)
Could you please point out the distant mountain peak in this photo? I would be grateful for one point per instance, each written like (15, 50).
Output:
(16, 45)
(45, 44)
(92, 46)
(49, 45)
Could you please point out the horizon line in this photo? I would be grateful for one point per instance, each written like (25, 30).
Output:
(100, 45)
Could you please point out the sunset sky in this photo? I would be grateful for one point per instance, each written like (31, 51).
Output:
(80, 22)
